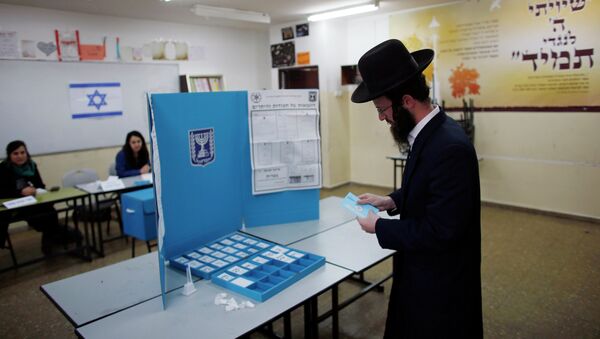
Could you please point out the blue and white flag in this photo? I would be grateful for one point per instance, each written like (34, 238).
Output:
(93, 100)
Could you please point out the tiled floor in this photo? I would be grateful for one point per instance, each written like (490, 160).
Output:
(540, 279)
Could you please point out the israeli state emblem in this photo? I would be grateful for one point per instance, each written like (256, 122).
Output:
(202, 146)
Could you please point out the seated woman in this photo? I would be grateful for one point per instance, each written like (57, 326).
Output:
(20, 177)
(133, 158)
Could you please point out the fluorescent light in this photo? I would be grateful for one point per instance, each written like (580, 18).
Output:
(230, 13)
(344, 12)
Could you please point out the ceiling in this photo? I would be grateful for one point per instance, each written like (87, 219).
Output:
(281, 11)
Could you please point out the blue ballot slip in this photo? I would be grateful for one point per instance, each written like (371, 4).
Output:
(350, 202)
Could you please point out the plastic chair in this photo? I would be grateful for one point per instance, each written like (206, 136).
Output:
(112, 169)
(90, 213)
(79, 176)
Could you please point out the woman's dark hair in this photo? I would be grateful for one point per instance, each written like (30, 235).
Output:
(13, 145)
(143, 157)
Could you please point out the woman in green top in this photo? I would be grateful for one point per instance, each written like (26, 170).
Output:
(20, 177)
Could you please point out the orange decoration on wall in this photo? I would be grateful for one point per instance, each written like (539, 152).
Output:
(303, 58)
(464, 80)
(92, 52)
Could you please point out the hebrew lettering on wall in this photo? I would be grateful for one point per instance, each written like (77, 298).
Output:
(509, 54)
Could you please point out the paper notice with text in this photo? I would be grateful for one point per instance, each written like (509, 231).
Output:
(285, 142)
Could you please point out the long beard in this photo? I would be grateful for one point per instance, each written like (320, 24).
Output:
(402, 125)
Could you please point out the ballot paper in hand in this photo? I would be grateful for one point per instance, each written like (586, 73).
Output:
(350, 202)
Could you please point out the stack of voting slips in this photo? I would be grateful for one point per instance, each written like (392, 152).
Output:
(252, 267)
(350, 202)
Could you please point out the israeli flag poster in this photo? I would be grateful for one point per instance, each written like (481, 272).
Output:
(94, 100)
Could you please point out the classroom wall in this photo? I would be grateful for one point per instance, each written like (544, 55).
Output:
(241, 56)
(542, 161)
(327, 46)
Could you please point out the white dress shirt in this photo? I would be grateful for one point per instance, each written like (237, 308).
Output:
(412, 136)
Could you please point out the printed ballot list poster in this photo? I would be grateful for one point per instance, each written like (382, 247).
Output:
(532, 55)
(285, 142)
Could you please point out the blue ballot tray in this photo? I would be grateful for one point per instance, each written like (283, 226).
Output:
(268, 272)
(252, 267)
(219, 254)
(138, 211)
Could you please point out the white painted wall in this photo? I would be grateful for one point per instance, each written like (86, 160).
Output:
(241, 56)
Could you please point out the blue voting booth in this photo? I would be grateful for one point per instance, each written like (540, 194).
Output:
(202, 179)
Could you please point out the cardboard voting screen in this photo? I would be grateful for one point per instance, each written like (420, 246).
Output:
(202, 173)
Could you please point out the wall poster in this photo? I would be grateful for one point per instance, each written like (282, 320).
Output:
(509, 55)
(285, 143)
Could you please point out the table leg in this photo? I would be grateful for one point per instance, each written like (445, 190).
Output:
(99, 224)
(12, 251)
(314, 316)
(87, 250)
(307, 319)
(335, 327)
(287, 325)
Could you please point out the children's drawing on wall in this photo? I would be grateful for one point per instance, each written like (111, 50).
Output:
(169, 50)
(9, 45)
(283, 54)
(158, 49)
(28, 49)
(47, 50)
(302, 30)
(67, 43)
(137, 54)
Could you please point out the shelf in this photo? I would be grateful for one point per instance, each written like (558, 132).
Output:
(201, 83)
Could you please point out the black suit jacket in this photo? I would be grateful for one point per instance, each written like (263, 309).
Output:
(436, 291)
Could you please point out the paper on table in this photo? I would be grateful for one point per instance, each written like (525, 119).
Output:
(112, 184)
(28, 200)
(350, 202)
(39, 191)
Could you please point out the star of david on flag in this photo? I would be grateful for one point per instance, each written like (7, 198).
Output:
(93, 100)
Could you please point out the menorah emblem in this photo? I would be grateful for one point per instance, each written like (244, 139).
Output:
(202, 146)
(201, 139)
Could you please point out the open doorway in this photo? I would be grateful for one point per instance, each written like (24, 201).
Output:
(299, 77)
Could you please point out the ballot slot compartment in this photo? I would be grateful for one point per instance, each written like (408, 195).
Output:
(209, 259)
(261, 277)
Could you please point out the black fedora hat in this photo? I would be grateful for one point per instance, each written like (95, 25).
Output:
(387, 66)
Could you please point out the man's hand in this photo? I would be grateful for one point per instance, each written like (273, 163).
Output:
(368, 223)
(382, 203)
